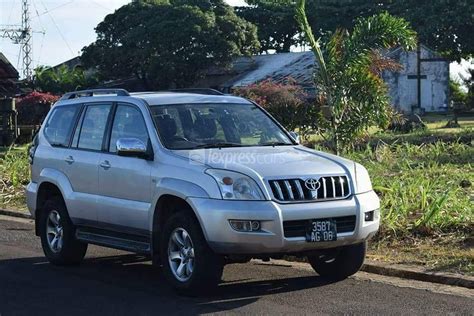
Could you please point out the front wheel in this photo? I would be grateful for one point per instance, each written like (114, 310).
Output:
(188, 262)
(339, 263)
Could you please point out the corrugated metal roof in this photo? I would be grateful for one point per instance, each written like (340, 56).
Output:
(278, 67)
(7, 71)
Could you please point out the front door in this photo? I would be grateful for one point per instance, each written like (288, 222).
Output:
(125, 182)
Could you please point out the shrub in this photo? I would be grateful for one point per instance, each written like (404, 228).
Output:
(287, 102)
(32, 108)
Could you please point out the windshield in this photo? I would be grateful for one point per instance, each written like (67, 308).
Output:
(193, 126)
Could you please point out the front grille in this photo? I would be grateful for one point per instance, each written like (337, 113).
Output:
(298, 228)
(328, 188)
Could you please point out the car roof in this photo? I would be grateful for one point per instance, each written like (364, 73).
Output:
(166, 98)
(160, 98)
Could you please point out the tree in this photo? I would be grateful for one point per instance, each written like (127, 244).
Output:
(169, 44)
(61, 80)
(444, 25)
(469, 83)
(348, 79)
(458, 95)
(277, 30)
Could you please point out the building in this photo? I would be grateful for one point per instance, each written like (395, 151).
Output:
(8, 115)
(434, 81)
(434, 76)
(8, 78)
(71, 64)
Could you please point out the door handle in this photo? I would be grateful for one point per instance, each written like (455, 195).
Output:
(105, 164)
(69, 159)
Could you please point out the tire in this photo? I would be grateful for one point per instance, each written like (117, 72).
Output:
(181, 233)
(54, 222)
(339, 263)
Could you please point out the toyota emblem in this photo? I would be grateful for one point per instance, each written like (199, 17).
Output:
(312, 184)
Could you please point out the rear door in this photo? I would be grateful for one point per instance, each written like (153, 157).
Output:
(82, 162)
(125, 182)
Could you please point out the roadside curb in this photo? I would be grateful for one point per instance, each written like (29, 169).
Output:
(393, 270)
(415, 273)
(16, 214)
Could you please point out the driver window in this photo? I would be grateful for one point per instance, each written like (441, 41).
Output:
(128, 123)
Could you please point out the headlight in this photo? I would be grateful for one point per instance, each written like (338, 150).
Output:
(362, 179)
(236, 186)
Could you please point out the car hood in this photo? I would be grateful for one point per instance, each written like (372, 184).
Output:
(271, 162)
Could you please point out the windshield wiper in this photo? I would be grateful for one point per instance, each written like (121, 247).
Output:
(276, 144)
(218, 145)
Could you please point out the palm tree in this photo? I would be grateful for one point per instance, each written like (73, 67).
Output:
(350, 65)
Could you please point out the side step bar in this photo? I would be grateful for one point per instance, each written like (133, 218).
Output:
(125, 242)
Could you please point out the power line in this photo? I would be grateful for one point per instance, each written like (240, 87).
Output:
(11, 12)
(53, 9)
(57, 28)
(100, 5)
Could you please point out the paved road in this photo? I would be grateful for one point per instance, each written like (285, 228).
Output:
(116, 283)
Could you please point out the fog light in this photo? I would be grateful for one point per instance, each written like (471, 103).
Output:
(245, 225)
(369, 216)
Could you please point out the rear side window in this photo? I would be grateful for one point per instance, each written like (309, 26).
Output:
(59, 126)
(92, 128)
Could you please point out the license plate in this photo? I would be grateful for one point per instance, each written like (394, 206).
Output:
(321, 230)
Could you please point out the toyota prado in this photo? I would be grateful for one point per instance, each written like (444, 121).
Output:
(195, 180)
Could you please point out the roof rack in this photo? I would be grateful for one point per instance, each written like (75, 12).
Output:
(92, 92)
(207, 91)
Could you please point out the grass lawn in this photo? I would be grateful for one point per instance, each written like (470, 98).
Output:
(438, 122)
(14, 176)
(453, 252)
(427, 196)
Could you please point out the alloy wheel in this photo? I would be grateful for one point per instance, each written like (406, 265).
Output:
(54, 232)
(181, 254)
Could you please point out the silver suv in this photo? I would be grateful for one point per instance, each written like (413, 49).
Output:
(195, 180)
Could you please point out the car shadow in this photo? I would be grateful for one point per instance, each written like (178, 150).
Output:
(120, 282)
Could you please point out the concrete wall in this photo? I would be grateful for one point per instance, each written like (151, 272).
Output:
(434, 88)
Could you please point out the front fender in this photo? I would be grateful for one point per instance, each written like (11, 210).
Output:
(179, 188)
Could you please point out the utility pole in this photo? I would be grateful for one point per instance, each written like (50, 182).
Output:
(22, 35)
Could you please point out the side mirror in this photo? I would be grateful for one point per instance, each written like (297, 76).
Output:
(132, 147)
(295, 136)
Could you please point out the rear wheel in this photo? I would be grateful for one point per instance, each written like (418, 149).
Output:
(188, 262)
(339, 263)
(58, 235)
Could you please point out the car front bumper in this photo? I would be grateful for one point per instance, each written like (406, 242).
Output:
(214, 216)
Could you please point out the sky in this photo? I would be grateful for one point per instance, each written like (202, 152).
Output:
(68, 26)
(63, 27)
